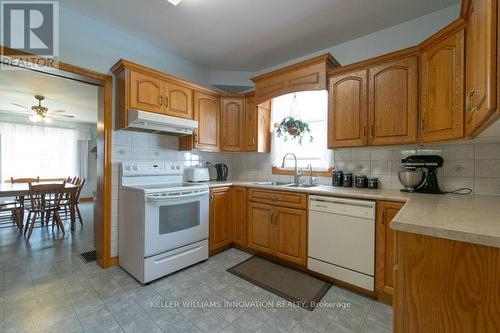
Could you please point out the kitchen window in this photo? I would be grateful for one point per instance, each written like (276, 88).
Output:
(312, 108)
(41, 151)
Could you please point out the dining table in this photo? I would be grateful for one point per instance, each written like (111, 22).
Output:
(21, 191)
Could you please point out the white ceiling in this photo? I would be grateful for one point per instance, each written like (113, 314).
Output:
(76, 98)
(250, 35)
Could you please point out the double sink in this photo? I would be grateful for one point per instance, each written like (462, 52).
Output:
(286, 184)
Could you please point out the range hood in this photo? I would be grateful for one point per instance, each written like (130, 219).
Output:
(158, 123)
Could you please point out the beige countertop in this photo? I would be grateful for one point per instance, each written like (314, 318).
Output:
(467, 218)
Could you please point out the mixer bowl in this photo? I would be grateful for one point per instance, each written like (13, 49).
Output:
(410, 179)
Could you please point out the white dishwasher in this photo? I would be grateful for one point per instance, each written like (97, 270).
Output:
(342, 239)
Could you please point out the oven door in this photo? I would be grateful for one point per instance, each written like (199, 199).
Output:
(175, 221)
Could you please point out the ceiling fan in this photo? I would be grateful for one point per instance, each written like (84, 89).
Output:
(41, 113)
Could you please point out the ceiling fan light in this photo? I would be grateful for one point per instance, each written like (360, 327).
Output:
(174, 2)
(35, 118)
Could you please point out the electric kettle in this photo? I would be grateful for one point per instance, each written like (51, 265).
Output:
(221, 169)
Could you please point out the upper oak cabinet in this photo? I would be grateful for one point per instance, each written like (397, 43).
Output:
(141, 88)
(257, 125)
(232, 120)
(207, 113)
(392, 102)
(178, 100)
(348, 109)
(441, 89)
(146, 92)
(480, 65)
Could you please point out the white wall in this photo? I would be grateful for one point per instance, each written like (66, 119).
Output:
(391, 39)
(87, 43)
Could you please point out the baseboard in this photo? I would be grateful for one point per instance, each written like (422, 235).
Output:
(88, 199)
(113, 261)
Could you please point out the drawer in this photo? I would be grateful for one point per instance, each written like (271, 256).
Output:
(278, 198)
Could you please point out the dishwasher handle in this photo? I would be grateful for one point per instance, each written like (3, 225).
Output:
(340, 206)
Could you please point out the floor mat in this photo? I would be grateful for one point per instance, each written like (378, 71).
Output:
(293, 285)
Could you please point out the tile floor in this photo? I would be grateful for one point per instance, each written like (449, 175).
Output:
(45, 287)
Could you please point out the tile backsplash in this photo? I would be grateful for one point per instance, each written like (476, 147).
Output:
(475, 166)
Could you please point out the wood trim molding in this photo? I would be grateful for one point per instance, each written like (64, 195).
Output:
(87, 199)
(102, 212)
(125, 64)
(325, 58)
(315, 173)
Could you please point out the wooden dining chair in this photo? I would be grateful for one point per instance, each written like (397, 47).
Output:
(45, 200)
(66, 201)
(24, 180)
(76, 199)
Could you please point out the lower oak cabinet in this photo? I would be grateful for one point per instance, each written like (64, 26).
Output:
(239, 215)
(277, 230)
(219, 219)
(384, 257)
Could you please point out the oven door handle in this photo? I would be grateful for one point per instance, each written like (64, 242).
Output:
(156, 198)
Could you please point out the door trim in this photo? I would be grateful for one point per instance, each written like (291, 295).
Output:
(102, 210)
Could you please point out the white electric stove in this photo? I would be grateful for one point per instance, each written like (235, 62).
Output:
(163, 222)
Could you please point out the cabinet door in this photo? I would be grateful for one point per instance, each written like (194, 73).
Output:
(251, 126)
(238, 215)
(385, 246)
(263, 127)
(290, 234)
(480, 63)
(178, 101)
(207, 113)
(232, 124)
(348, 110)
(392, 104)
(260, 228)
(146, 92)
(442, 112)
(220, 230)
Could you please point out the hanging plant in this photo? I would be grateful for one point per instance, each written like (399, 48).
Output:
(294, 128)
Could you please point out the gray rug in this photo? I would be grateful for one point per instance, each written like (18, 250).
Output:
(293, 285)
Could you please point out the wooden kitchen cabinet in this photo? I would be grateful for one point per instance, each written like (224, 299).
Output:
(443, 285)
(146, 92)
(392, 102)
(178, 100)
(238, 215)
(219, 219)
(257, 125)
(207, 113)
(260, 235)
(441, 89)
(480, 65)
(384, 253)
(232, 122)
(348, 109)
(275, 229)
(291, 235)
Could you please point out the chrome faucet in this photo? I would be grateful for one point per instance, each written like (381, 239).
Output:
(311, 179)
(296, 175)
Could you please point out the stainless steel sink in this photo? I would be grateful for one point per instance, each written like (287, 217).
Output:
(275, 183)
(302, 185)
(285, 184)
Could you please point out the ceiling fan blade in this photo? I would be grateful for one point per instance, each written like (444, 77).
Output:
(19, 105)
(61, 116)
(16, 111)
(56, 111)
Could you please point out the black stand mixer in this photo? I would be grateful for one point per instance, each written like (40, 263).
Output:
(427, 166)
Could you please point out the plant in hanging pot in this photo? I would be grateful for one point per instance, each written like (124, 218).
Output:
(293, 128)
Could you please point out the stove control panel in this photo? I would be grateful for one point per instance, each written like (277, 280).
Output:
(151, 168)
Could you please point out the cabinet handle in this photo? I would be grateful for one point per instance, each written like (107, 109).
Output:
(166, 101)
(274, 198)
(423, 124)
(383, 217)
(195, 138)
(470, 108)
(271, 217)
(364, 131)
(161, 100)
(395, 268)
(211, 199)
(253, 140)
